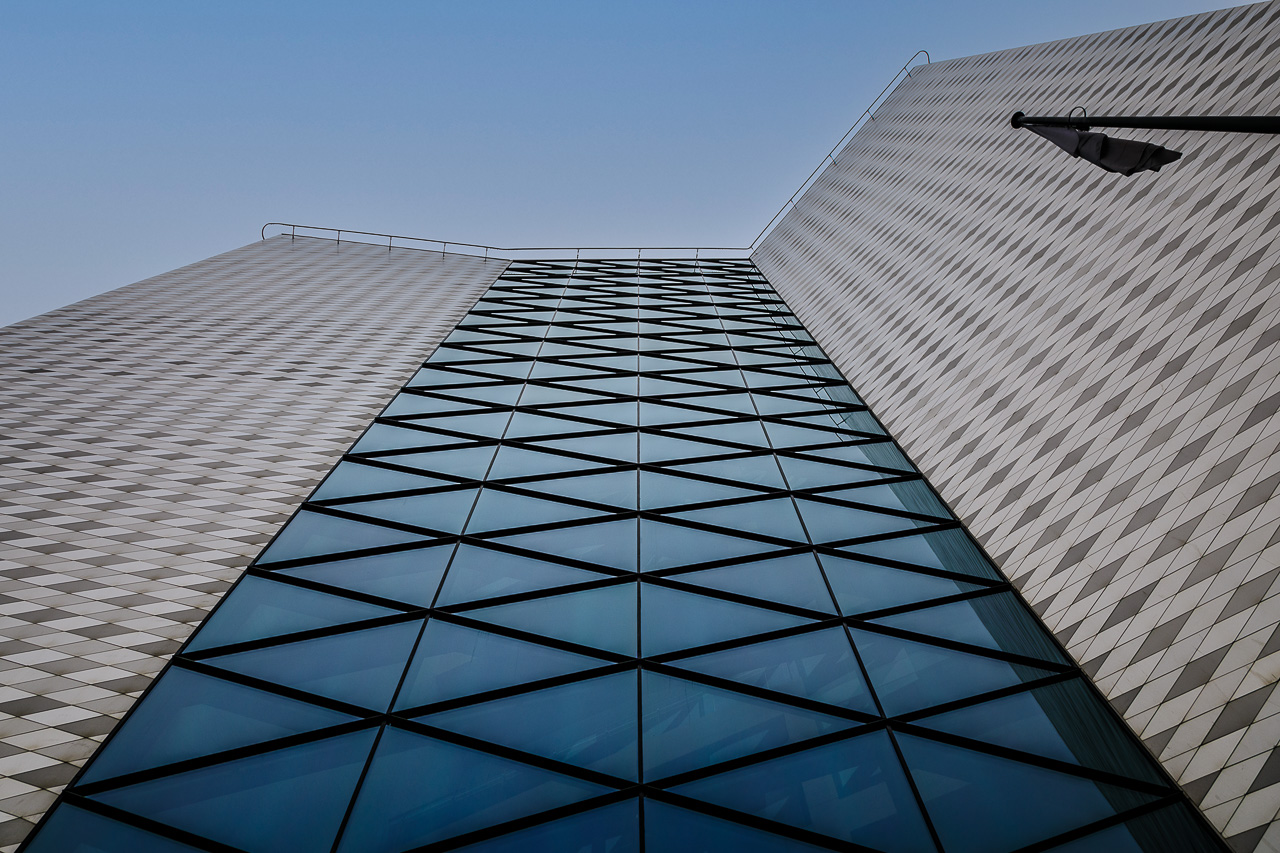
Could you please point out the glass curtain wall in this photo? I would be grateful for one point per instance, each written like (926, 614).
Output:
(626, 566)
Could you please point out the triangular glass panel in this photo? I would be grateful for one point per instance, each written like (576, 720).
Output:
(621, 414)
(312, 534)
(291, 799)
(658, 491)
(359, 667)
(620, 447)
(441, 511)
(615, 488)
(606, 829)
(818, 665)
(417, 404)
(188, 714)
(520, 462)
(853, 790)
(589, 724)
(72, 829)
(996, 621)
(1064, 721)
(908, 495)
(689, 726)
(421, 790)
(793, 580)
(500, 510)
(350, 479)
(668, 827)
(1015, 804)
(774, 517)
(882, 454)
(1175, 827)
(789, 435)
(666, 546)
(658, 414)
(387, 437)
(469, 462)
(756, 470)
(728, 403)
(542, 395)
(480, 425)
(810, 474)
(526, 424)
(409, 576)
(609, 543)
(480, 573)
(742, 432)
(499, 394)
(453, 661)
(664, 448)
(908, 676)
(863, 587)
(950, 550)
(831, 522)
(603, 618)
(673, 619)
(257, 608)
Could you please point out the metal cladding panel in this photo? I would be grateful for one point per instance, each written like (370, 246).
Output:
(1086, 364)
(153, 439)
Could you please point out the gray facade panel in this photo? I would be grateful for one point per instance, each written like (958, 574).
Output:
(153, 439)
(1085, 364)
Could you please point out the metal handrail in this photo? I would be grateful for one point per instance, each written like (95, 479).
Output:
(445, 244)
(831, 154)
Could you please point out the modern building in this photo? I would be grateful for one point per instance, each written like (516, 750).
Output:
(608, 554)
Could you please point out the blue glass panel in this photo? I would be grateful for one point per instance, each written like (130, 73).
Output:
(757, 470)
(730, 403)
(671, 828)
(607, 829)
(499, 510)
(792, 435)
(387, 437)
(187, 715)
(672, 619)
(1170, 828)
(487, 424)
(408, 576)
(908, 676)
(862, 587)
(73, 830)
(656, 414)
(420, 790)
(589, 724)
(622, 414)
(351, 478)
(620, 447)
(909, 495)
(602, 618)
(776, 517)
(1065, 721)
(983, 804)
(525, 424)
(882, 454)
(666, 546)
(611, 543)
(853, 790)
(617, 488)
(257, 608)
(830, 522)
(518, 462)
(818, 665)
(808, 474)
(310, 534)
(414, 404)
(791, 580)
(359, 667)
(469, 462)
(290, 800)
(496, 395)
(996, 621)
(663, 448)
(743, 432)
(660, 490)
(951, 550)
(454, 661)
(688, 726)
(535, 395)
(444, 511)
(479, 573)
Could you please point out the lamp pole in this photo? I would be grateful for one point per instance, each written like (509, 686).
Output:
(1222, 124)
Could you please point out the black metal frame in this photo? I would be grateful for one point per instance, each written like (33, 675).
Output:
(1215, 124)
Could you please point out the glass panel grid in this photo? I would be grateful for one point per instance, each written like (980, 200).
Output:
(626, 565)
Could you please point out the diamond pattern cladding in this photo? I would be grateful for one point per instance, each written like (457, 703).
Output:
(1086, 365)
(152, 439)
(625, 566)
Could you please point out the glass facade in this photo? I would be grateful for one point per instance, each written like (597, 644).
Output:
(626, 566)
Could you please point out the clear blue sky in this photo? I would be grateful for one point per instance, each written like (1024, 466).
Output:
(141, 136)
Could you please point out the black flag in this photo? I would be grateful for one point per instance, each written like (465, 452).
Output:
(1115, 155)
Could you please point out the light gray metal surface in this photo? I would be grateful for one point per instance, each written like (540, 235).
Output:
(1086, 365)
(153, 438)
